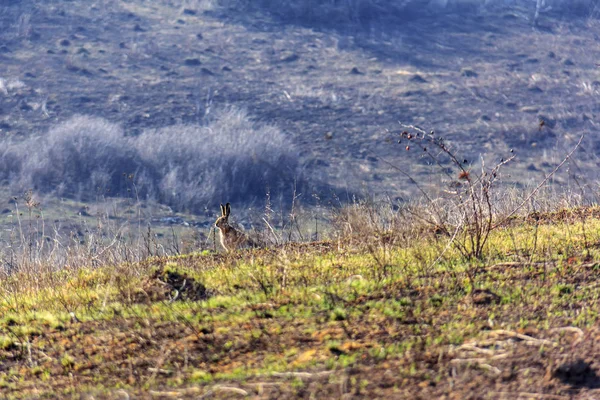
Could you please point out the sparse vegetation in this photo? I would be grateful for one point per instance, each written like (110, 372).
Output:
(334, 313)
(365, 13)
(450, 277)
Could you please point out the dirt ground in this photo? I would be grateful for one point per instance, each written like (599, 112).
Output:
(150, 357)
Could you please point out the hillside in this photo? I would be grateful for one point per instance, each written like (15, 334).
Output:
(420, 176)
(484, 78)
(378, 314)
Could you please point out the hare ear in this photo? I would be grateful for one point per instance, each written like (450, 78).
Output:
(222, 210)
(227, 209)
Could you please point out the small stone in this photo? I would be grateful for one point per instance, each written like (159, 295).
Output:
(418, 79)
(529, 109)
(484, 297)
(289, 58)
(25, 106)
(468, 73)
(548, 122)
(192, 62)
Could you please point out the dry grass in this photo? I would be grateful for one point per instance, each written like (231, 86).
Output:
(384, 294)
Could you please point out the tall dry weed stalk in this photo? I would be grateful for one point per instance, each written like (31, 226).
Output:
(469, 212)
(461, 216)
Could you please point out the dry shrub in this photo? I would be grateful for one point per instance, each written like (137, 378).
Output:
(366, 223)
(79, 158)
(230, 158)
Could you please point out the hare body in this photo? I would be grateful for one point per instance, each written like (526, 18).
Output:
(230, 237)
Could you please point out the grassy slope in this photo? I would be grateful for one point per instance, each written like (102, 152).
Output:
(333, 319)
(324, 319)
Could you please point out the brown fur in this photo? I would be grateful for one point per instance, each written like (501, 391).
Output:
(230, 237)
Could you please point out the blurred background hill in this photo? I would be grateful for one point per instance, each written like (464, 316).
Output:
(189, 103)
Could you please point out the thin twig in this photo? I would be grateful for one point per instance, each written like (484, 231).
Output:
(490, 368)
(277, 240)
(471, 347)
(478, 360)
(458, 228)
(160, 371)
(518, 395)
(305, 375)
(571, 329)
(538, 187)
(521, 336)
(172, 394)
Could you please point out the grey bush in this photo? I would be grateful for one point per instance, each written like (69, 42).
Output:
(230, 158)
(78, 158)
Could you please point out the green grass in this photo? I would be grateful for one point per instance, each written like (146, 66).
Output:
(291, 310)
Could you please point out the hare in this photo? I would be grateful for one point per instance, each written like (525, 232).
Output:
(230, 237)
